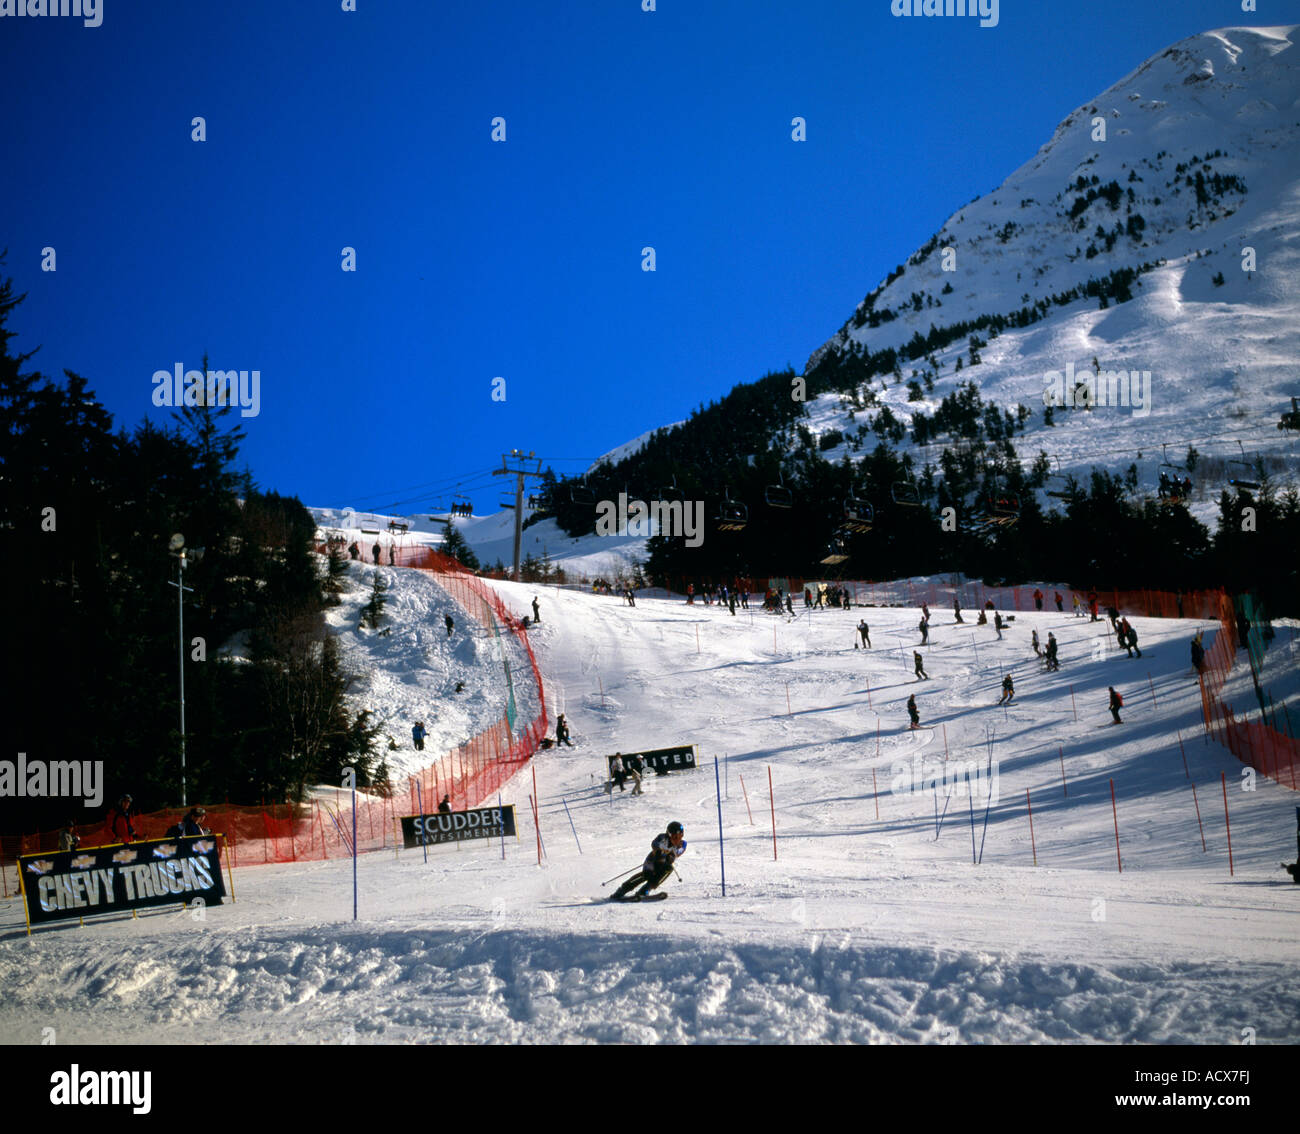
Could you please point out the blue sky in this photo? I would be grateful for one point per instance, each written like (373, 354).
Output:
(519, 259)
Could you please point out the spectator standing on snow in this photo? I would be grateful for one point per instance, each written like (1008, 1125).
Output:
(956, 610)
(537, 612)
(449, 623)
(913, 713)
(1052, 662)
(375, 552)
(634, 769)
(997, 623)
(120, 820)
(1033, 639)
(1116, 703)
(616, 774)
(418, 733)
(918, 667)
(864, 631)
(924, 627)
(1060, 608)
(562, 731)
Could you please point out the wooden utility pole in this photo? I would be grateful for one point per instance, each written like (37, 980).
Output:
(519, 471)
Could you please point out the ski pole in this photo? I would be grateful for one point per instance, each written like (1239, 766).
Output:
(618, 876)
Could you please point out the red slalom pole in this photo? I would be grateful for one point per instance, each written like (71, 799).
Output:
(1061, 752)
(1072, 705)
(742, 788)
(1032, 845)
(877, 738)
(1184, 752)
(1198, 819)
(1116, 815)
(1223, 776)
(875, 792)
(772, 799)
(787, 699)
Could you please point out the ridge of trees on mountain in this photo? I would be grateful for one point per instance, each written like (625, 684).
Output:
(1100, 533)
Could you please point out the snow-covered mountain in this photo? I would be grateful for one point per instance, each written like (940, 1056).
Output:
(1183, 172)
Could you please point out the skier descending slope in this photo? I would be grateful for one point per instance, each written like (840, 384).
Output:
(664, 851)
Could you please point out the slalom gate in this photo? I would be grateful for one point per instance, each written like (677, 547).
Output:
(321, 828)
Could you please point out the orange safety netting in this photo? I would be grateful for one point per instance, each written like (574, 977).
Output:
(1268, 751)
(323, 828)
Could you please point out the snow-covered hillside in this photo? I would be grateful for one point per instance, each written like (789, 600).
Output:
(870, 922)
(1193, 180)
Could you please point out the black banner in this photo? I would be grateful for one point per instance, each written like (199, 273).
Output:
(453, 826)
(155, 872)
(661, 761)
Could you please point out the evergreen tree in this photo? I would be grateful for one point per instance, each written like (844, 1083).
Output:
(457, 547)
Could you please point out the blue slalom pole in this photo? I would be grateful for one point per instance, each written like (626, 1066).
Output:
(989, 779)
(721, 859)
(424, 837)
(571, 826)
(970, 799)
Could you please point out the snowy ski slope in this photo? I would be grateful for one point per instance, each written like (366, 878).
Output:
(863, 929)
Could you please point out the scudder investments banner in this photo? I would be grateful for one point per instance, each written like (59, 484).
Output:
(156, 872)
(452, 826)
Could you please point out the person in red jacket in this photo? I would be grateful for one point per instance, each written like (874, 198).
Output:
(119, 821)
(1116, 703)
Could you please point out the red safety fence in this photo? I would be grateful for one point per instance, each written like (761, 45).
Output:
(321, 828)
(1269, 752)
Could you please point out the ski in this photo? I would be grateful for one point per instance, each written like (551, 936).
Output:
(659, 897)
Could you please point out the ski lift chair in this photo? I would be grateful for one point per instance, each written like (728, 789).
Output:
(732, 515)
(837, 551)
(906, 493)
(858, 515)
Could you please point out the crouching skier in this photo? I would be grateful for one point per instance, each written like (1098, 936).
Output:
(664, 851)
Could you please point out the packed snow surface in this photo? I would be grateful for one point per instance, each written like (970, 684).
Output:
(859, 929)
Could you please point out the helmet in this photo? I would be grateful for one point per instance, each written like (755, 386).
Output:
(676, 828)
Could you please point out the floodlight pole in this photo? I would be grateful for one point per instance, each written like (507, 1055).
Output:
(181, 588)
